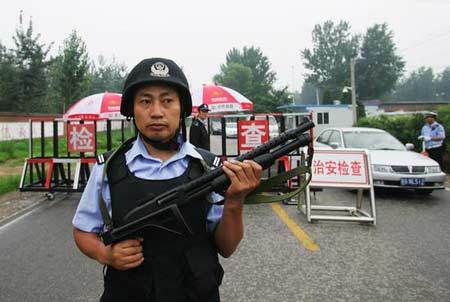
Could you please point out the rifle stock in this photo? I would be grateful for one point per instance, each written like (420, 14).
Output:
(156, 211)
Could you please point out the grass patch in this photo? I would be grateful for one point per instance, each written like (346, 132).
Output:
(9, 183)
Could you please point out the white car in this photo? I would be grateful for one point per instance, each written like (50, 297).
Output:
(231, 129)
(393, 166)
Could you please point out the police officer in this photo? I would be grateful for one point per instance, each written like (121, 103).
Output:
(198, 135)
(433, 135)
(159, 265)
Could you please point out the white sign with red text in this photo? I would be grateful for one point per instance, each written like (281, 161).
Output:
(340, 168)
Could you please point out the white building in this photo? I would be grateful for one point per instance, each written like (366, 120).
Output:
(325, 116)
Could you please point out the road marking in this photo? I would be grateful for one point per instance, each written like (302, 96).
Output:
(447, 189)
(304, 239)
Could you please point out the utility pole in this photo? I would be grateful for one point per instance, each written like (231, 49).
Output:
(352, 78)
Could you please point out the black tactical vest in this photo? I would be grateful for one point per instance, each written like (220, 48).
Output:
(176, 268)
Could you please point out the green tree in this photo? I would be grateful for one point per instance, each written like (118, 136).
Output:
(105, 76)
(443, 85)
(30, 59)
(69, 73)
(380, 67)
(308, 94)
(329, 59)
(236, 76)
(265, 97)
(8, 81)
(419, 86)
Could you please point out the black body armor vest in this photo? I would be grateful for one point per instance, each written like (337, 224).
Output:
(176, 268)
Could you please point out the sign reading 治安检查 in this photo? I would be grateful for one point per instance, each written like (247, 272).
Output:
(340, 168)
(81, 138)
(252, 134)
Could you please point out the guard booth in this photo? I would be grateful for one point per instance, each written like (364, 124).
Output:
(62, 162)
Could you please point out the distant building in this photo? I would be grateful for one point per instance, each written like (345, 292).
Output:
(325, 116)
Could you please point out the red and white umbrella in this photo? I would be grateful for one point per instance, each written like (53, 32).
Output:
(220, 99)
(96, 106)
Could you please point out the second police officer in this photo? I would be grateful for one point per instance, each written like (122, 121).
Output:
(198, 134)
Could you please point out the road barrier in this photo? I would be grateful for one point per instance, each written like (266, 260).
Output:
(344, 169)
(66, 168)
(62, 163)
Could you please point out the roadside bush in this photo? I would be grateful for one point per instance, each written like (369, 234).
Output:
(444, 120)
(405, 128)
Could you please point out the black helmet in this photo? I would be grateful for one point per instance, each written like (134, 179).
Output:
(156, 70)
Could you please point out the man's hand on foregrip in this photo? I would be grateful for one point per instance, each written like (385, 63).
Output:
(244, 176)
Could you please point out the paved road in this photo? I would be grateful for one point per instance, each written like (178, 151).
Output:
(406, 257)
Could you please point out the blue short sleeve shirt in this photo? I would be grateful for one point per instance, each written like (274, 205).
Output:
(88, 216)
(433, 130)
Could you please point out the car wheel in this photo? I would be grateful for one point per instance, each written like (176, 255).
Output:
(424, 192)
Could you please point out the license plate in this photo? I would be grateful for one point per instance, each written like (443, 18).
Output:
(412, 181)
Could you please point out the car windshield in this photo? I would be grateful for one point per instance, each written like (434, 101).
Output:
(372, 141)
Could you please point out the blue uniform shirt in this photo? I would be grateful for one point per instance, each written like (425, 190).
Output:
(434, 129)
(88, 217)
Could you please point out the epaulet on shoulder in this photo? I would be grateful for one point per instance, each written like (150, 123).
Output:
(102, 158)
(210, 158)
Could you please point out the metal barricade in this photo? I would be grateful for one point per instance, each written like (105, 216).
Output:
(51, 165)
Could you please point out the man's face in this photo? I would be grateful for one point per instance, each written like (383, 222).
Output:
(202, 114)
(429, 120)
(157, 111)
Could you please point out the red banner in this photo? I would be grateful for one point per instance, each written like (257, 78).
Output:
(251, 134)
(81, 138)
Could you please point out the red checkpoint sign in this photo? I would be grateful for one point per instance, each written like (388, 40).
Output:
(81, 138)
(252, 134)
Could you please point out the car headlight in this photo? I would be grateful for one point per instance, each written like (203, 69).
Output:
(433, 169)
(382, 168)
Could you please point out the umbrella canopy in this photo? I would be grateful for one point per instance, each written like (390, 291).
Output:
(220, 99)
(96, 106)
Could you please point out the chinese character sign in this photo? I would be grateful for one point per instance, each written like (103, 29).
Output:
(340, 167)
(81, 138)
(252, 134)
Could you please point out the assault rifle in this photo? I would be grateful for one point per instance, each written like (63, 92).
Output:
(158, 211)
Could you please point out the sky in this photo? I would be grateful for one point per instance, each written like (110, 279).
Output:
(198, 34)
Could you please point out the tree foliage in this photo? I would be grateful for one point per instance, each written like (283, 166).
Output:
(420, 85)
(236, 76)
(8, 80)
(329, 59)
(31, 67)
(443, 84)
(69, 73)
(380, 66)
(107, 76)
(256, 85)
(308, 94)
(31, 81)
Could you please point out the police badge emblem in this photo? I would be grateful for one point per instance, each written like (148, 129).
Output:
(159, 69)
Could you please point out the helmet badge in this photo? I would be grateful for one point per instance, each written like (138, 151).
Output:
(159, 69)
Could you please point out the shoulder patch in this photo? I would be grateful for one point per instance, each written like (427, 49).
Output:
(210, 158)
(102, 158)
